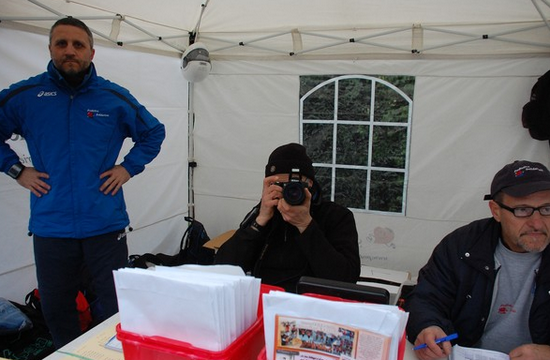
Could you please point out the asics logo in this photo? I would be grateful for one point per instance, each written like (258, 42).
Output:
(47, 93)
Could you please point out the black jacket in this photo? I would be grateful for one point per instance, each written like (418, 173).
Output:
(280, 255)
(455, 287)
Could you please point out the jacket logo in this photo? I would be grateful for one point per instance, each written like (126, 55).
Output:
(47, 93)
(91, 113)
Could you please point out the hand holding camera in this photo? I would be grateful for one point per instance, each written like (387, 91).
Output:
(297, 215)
(296, 204)
(270, 199)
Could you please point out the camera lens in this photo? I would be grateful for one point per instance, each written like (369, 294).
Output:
(294, 193)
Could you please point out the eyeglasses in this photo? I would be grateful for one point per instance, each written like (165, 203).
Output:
(526, 211)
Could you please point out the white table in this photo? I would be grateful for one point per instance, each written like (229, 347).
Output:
(90, 345)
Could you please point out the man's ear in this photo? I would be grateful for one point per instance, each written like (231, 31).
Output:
(495, 210)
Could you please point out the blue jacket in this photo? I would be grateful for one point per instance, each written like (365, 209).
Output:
(455, 287)
(74, 135)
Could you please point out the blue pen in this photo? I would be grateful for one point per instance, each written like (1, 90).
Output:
(437, 341)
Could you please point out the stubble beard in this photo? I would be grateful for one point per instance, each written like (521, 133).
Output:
(533, 244)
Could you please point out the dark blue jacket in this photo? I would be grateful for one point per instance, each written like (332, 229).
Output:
(74, 135)
(455, 287)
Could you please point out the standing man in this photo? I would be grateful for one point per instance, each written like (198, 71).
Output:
(489, 281)
(292, 232)
(74, 123)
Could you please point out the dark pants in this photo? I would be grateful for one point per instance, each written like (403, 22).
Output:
(59, 264)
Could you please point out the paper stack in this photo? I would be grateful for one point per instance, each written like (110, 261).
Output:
(391, 280)
(317, 328)
(205, 306)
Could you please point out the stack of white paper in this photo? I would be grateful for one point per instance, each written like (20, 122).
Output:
(314, 327)
(205, 306)
(391, 280)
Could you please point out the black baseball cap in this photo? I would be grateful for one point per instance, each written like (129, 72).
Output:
(287, 157)
(520, 178)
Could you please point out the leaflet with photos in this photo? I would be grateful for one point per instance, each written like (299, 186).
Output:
(313, 339)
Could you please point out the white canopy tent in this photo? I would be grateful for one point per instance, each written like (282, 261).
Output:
(474, 63)
(308, 29)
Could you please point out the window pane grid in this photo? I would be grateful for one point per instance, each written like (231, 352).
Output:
(369, 140)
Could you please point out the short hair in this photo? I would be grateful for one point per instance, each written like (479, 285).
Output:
(73, 22)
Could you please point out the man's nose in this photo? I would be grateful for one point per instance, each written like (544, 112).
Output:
(536, 219)
(70, 50)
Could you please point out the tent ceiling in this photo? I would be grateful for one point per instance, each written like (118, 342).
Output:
(305, 29)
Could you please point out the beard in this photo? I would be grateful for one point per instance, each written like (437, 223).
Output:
(532, 244)
(74, 78)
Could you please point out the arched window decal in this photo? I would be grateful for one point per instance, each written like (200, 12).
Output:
(357, 131)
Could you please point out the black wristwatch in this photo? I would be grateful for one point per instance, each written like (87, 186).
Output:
(16, 170)
(256, 226)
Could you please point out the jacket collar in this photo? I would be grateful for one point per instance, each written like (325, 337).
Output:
(480, 253)
(56, 76)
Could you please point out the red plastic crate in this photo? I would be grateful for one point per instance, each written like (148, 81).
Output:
(246, 347)
(400, 351)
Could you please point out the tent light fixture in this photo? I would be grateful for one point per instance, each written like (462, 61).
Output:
(195, 62)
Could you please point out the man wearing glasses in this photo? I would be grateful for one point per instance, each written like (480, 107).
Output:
(489, 281)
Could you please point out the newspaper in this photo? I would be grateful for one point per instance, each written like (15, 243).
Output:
(300, 338)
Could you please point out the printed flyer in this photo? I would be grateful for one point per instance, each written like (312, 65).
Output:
(310, 339)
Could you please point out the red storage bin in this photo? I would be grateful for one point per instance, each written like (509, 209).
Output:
(246, 347)
(400, 351)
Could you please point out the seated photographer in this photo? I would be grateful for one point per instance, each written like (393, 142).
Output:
(292, 232)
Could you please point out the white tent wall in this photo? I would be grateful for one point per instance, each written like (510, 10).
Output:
(466, 125)
(156, 199)
(474, 62)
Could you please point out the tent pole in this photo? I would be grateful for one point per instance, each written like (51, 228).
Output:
(190, 150)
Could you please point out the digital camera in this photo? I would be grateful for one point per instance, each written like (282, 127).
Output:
(294, 190)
